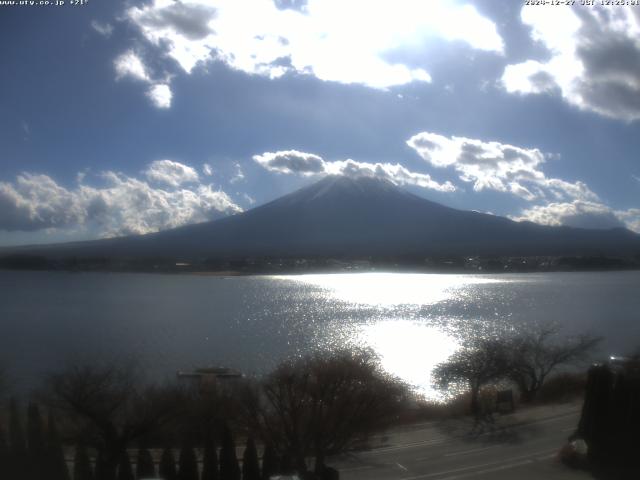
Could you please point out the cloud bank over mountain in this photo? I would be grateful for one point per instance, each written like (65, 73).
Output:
(169, 195)
(490, 165)
(293, 162)
(497, 166)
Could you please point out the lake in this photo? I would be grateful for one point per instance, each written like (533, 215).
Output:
(176, 322)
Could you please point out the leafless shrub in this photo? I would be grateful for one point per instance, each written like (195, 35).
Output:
(109, 407)
(479, 364)
(535, 355)
(323, 404)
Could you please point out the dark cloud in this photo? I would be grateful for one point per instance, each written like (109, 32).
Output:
(299, 5)
(282, 62)
(580, 214)
(479, 155)
(542, 81)
(16, 217)
(36, 202)
(598, 69)
(615, 99)
(497, 166)
(611, 58)
(291, 161)
(307, 164)
(191, 21)
(593, 220)
(125, 205)
(423, 143)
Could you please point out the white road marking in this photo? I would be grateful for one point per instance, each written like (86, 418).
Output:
(529, 458)
(547, 457)
(353, 469)
(464, 452)
(404, 446)
(440, 439)
(490, 470)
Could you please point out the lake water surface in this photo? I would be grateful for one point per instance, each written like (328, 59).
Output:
(413, 321)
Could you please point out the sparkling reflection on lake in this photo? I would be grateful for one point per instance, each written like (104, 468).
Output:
(413, 321)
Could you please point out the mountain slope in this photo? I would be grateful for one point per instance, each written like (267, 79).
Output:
(340, 216)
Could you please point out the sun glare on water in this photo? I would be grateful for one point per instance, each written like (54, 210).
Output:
(409, 350)
(390, 289)
(408, 347)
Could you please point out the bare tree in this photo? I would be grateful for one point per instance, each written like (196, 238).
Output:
(110, 406)
(527, 360)
(208, 409)
(534, 355)
(478, 364)
(323, 404)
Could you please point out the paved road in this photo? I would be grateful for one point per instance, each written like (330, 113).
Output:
(522, 446)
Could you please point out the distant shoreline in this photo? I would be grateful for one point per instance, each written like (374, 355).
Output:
(296, 266)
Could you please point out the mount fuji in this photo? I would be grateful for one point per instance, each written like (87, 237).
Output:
(353, 217)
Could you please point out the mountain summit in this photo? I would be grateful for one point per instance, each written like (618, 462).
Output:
(356, 217)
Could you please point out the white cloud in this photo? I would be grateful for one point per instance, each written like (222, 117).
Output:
(308, 164)
(631, 217)
(334, 40)
(249, 199)
(129, 64)
(561, 189)
(497, 166)
(160, 95)
(104, 29)
(34, 202)
(131, 206)
(528, 77)
(207, 170)
(291, 161)
(595, 59)
(396, 173)
(171, 173)
(121, 205)
(582, 214)
(238, 176)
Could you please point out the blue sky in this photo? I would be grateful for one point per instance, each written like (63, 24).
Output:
(125, 117)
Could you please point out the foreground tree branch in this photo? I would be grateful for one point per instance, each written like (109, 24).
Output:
(476, 365)
(111, 407)
(533, 356)
(323, 404)
(526, 359)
